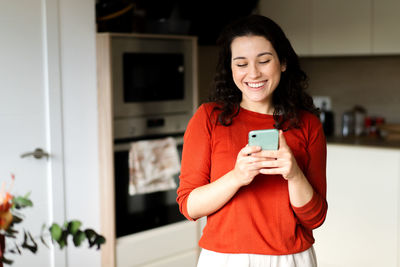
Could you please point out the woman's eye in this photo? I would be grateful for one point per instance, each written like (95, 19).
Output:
(265, 61)
(241, 65)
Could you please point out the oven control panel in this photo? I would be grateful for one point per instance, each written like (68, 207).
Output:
(152, 125)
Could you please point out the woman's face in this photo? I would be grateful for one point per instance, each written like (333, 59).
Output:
(256, 71)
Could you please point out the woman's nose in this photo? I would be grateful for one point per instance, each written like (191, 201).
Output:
(254, 71)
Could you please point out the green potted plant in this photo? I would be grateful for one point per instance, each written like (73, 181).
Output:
(11, 208)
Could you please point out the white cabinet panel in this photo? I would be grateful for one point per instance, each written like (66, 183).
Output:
(296, 27)
(362, 224)
(188, 259)
(158, 245)
(341, 27)
(386, 33)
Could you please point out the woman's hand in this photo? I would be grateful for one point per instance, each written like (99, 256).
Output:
(209, 198)
(247, 165)
(284, 162)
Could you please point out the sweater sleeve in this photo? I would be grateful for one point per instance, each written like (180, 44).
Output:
(196, 157)
(313, 214)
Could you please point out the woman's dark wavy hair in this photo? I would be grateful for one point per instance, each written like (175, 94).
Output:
(288, 98)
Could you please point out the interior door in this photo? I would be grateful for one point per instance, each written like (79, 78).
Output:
(30, 118)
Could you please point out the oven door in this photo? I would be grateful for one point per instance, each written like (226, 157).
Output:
(136, 213)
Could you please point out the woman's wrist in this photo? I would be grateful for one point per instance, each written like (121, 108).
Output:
(297, 178)
(234, 179)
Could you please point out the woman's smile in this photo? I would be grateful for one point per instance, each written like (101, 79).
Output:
(256, 85)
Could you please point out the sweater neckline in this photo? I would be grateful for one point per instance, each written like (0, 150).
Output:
(253, 114)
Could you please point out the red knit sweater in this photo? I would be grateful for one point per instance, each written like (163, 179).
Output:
(259, 218)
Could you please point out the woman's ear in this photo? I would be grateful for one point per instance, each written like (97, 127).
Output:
(283, 66)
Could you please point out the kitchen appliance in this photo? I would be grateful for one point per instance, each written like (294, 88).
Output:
(153, 83)
(353, 122)
(154, 88)
(326, 116)
(359, 120)
(327, 119)
(348, 124)
(140, 212)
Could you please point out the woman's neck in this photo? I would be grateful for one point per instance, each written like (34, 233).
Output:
(262, 108)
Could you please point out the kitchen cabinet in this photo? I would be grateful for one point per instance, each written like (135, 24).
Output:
(386, 36)
(340, 28)
(337, 28)
(362, 227)
(171, 245)
(294, 17)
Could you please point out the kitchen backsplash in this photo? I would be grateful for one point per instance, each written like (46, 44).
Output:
(372, 82)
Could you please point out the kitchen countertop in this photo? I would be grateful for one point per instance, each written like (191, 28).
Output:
(364, 141)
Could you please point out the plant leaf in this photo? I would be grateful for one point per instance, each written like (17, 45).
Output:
(73, 226)
(100, 240)
(91, 236)
(16, 218)
(79, 237)
(29, 243)
(6, 261)
(63, 241)
(17, 247)
(44, 241)
(11, 233)
(21, 202)
(56, 232)
(94, 238)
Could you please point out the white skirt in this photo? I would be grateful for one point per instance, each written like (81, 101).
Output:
(209, 258)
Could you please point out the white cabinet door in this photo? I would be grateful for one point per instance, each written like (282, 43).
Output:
(30, 118)
(362, 224)
(341, 27)
(295, 19)
(386, 23)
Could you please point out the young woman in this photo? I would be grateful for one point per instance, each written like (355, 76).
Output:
(261, 205)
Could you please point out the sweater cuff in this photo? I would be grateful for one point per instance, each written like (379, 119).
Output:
(308, 208)
(184, 210)
(313, 213)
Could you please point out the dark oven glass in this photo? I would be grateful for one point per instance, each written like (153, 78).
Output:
(153, 77)
(143, 211)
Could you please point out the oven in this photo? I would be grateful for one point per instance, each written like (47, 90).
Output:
(154, 95)
(141, 212)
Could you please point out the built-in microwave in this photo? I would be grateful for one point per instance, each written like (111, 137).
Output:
(154, 83)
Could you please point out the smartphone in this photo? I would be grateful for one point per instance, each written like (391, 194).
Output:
(267, 139)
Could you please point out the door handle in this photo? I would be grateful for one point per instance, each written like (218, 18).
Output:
(37, 154)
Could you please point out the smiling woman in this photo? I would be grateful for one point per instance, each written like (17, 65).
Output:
(276, 197)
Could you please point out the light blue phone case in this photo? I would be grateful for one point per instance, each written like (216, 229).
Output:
(267, 139)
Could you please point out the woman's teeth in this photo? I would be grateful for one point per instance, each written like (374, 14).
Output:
(255, 85)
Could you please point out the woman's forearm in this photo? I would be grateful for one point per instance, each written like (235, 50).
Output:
(209, 198)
